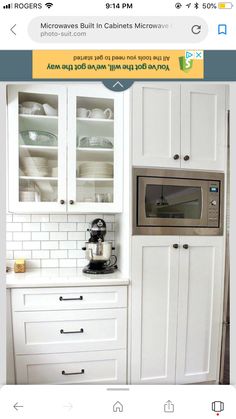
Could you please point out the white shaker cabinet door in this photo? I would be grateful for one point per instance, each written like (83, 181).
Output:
(200, 309)
(154, 309)
(156, 124)
(203, 126)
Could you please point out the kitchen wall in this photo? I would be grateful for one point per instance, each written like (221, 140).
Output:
(51, 241)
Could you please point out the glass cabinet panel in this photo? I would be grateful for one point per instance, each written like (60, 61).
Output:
(94, 149)
(38, 147)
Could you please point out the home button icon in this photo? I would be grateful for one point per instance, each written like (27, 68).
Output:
(118, 407)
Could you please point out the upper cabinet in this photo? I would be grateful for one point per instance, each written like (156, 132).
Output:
(156, 126)
(179, 125)
(65, 148)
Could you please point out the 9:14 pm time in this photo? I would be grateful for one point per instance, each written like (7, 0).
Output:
(119, 5)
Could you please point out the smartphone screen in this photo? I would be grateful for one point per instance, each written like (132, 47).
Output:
(117, 209)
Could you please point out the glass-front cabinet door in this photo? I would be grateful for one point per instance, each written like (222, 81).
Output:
(95, 149)
(37, 148)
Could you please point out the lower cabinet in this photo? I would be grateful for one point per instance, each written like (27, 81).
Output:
(177, 296)
(81, 339)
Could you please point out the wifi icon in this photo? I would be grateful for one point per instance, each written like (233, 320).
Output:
(49, 5)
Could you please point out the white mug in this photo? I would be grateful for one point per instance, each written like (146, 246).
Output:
(83, 113)
(100, 113)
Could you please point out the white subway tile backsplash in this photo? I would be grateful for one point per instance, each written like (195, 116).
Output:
(49, 263)
(40, 218)
(31, 226)
(58, 236)
(14, 245)
(40, 236)
(33, 264)
(79, 235)
(21, 236)
(49, 227)
(58, 218)
(77, 218)
(9, 236)
(59, 254)
(14, 227)
(67, 226)
(32, 245)
(76, 254)
(47, 245)
(51, 240)
(67, 244)
(21, 218)
(82, 226)
(67, 263)
(40, 254)
(22, 254)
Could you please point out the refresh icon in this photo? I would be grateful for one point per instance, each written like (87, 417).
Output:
(196, 29)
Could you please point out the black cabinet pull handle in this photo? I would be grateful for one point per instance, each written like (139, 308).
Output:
(74, 331)
(62, 201)
(185, 246)
(176, 157)
(71, 299)
(71, 202)
(73, 373)
(186, 158)
(175, 246)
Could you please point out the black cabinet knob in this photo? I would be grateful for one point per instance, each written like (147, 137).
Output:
(185, 246)
(175, 246)
(176, 157)
(186, 158)
(71, 202)
(62, 201)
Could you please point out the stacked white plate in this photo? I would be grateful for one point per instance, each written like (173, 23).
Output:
(96, 169)
(36, 166)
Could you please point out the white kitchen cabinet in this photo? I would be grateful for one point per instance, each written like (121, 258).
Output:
(177, 289)
(154, 309)
(156, 124)
(203, 126)
(179, 125)
(79, 330)
(201, 282)
(65, 162)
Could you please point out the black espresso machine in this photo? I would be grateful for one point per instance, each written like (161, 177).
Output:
(98, 251)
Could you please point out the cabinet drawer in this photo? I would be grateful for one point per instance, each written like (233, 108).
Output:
(102, 367)
(69, 331)
(25, 299)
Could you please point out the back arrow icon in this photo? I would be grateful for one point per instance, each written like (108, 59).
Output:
(13, 28)
(17, 406)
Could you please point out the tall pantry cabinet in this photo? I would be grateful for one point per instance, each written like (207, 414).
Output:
(177, 281)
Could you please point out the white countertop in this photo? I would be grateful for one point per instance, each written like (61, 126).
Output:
(63, 277)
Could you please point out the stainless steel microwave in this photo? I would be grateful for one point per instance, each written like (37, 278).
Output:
(177, 202)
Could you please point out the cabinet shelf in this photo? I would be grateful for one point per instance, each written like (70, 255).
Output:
(94, 120)
(39, 117)
(48, 179)
(94, 179)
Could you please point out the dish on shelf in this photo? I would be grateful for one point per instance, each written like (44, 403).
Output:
(95, 170)
(35, 166)
(31, 108)
(49, 110)
(38, 138)
(94, 142)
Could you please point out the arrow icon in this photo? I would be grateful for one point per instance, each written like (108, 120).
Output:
(13, 28)
(68, 406)
(118, 83)
(17, 406)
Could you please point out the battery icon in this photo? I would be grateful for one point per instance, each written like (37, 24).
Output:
(227, 5)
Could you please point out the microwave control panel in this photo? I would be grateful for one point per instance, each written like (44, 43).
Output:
(213, 204)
